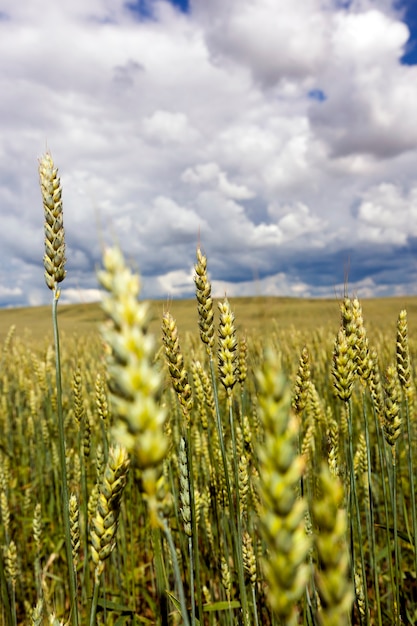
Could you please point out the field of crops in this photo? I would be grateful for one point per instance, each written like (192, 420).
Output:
(266, 477)
(248, 462)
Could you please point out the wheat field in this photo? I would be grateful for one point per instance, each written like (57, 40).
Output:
(245, 461)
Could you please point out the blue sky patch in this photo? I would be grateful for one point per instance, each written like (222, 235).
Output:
(409, 8)
(143, 9)
(317, 94)
(182, 5)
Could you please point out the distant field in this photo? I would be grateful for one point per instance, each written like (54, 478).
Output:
(261, 314)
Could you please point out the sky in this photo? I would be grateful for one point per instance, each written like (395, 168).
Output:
(279, 136)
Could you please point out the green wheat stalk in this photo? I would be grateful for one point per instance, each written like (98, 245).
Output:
(54, 264)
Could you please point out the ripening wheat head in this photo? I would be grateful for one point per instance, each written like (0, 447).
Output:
(54, 258)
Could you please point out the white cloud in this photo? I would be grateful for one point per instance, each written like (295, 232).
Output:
(80, 295)
(269, 37)
(167, 221)
(297, 220)
(168, 127)
(369, 37)
(175, 283)
(388, 214)
(371, 98)
(211, 173)
(276, 285)
(200, 127)
(9, 292)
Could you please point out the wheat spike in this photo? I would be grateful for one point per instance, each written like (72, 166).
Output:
(332, 571)
(280, 470)
(227, 353)
(105, 521)
(205, 302)
(403, 354)
(175, 361)
(54, 258)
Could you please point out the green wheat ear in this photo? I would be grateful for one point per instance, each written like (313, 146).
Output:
(134, 381)
(205, 302)
(105, 521)
(175, 362)
(54, 258)
(403, 355)
(227, 352)
(280, 470)
(332, 570)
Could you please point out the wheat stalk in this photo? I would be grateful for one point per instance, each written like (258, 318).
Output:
(54, 264)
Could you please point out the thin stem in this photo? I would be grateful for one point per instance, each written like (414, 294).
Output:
(192, 592)
(86, 578)
(371, 517)
(161, 583)
(255, 609)
(393, 480)
(239, 537)
(382, 447)
(411, 478)
(94, 601)
(220, 432)
(193, 541)
(355, 505)
(62, 454)
(234, 515)
(13, 603)
(177, 574)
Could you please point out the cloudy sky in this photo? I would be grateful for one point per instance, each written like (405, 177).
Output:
(280, 135)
